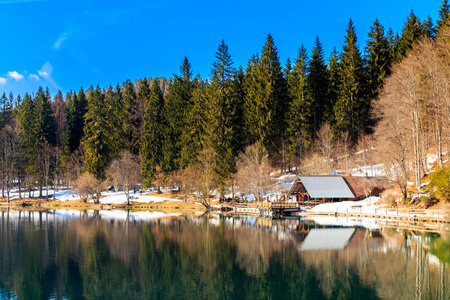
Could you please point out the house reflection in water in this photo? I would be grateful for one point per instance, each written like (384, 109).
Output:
(327, 239)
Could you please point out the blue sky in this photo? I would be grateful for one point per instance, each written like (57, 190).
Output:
(66, 44)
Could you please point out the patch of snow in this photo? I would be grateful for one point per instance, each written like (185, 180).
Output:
(365, 205)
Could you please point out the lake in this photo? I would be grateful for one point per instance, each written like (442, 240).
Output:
(150, 255)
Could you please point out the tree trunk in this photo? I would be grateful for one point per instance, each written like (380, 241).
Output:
(19, 182)
(46, 188)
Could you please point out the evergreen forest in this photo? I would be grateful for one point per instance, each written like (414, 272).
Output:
(385, 95)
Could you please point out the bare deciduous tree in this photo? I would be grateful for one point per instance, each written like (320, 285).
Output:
(394, 142)
(324, 145)
(402, 94)
(75, 163)
(125, 171)
(46, 159)
(201, 177)
(88, 186)
(344, 155)
(9, 155)
(253, 171)
(160, 179)
(365, 152)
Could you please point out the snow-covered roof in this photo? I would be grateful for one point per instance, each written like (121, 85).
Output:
(327, 239)
(324, 186)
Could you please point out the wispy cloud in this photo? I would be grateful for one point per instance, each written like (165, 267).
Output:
(46, 72)
(2, 81)
(61, 39)
(15, 75)
(34, 76)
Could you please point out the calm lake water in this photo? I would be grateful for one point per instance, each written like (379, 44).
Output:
(120, 255)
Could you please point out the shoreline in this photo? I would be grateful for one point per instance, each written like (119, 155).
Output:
(41, 203)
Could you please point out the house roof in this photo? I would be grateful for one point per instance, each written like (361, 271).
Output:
(323, 187)
(327, 239)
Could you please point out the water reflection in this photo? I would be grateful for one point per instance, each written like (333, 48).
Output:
(96, 255)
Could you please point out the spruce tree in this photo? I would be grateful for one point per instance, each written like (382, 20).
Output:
(378, 59)
(27, 137)
(317, 81)
(221, 125)
(60, 112)
(351, 109)
(45, 124)
(299, 126)
(266, 98)
(75, 122)
(119, 119)
(151, 147)
(238, 95)
(132, 117)
(6, 109)
(394, 40)
(428, 28)
(179, 101)
(193, 133)
(444, 14)
(334, 82)
(97, 138)
(412, 32)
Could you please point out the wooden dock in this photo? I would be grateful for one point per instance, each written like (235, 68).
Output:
(410, 215)
(266, 209)
(273, 209)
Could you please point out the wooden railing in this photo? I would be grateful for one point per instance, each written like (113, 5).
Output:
(393, 211)
(254, 204)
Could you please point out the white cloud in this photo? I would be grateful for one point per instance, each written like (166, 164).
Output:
(2, 81)
(58, 42)
(15, 75)
(46, 70)
(34, 76)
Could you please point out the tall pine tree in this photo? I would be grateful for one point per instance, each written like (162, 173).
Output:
(75, 122)
(444, 14)
(97, 138)
(351, 109)
(221, 123)
(378, 59)
(266, 98)
(27, 136)
(45, 125)
(334, 82)
(317, 80)
(179, 102)
(151, 147)
(412, 32)
(131, 117)
(299, 126)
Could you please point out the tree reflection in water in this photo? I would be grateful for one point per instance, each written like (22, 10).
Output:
(43, 256)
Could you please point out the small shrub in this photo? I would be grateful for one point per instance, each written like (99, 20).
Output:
(439, 186)
(88, 186)
(427, 201)
(389, 198)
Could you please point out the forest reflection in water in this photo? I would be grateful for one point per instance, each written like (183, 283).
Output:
(87, 255)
